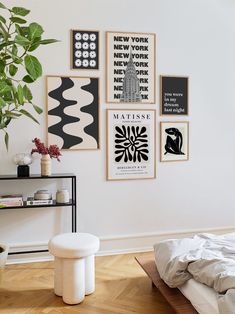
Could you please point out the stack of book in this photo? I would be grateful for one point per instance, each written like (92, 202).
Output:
(31, 201)
(11, 200)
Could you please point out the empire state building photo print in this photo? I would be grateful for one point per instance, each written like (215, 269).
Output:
(130, 72)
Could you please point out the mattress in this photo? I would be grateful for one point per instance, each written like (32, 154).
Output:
(202, 297)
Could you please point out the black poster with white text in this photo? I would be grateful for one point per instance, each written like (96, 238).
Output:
(174, 95)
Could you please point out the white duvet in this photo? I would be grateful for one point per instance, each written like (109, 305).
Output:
(208, 258)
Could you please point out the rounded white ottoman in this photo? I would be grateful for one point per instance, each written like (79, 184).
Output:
(74, 265)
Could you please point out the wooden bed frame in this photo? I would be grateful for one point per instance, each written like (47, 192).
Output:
(174, 297)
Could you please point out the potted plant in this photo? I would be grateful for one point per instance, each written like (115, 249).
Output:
(18, 66)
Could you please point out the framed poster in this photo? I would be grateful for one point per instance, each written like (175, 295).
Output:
(130, 67)
(73, 112)
(174, 95)
(174, 144)
(131, 144)
(84, 50)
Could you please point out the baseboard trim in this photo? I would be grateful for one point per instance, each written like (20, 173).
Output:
(113, 244)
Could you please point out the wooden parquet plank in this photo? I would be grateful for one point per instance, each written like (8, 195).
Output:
(121, 288)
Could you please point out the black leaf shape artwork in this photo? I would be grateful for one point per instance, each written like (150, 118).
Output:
(131, 144)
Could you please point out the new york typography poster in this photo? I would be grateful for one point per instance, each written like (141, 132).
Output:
(130, 72)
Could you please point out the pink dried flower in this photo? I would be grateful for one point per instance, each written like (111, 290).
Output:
(52, 150)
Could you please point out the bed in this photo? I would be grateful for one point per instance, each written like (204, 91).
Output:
(198, 273)
(191, 298)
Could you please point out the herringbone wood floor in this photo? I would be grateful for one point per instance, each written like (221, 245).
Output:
(121, 288)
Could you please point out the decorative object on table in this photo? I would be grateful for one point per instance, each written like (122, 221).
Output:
(130, 72)
(73, 112)
(174, 144)
(131, 144)
(84, 50)
(20, 40)
(4, 248)
(173, 95)
(42, 195)
(22, 161)
(62, 196)
(32, 201)
(13, 200)
(47, 153)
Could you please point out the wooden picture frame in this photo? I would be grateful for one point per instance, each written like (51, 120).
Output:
(130, 144)
(130, 53)
(73, 125)
(174, 95)
(174, 143)
(89, 54)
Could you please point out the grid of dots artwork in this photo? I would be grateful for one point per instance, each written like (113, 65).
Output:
(85, 49)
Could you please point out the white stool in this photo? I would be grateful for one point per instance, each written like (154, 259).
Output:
(74, 265)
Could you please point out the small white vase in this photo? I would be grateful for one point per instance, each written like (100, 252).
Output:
(46, 165)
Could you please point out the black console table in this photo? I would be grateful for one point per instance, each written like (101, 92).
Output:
(72, 203)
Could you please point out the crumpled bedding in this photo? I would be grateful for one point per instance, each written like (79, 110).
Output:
(208, 258)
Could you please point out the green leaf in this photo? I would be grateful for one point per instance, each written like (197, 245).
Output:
(48, 41)
(6, 138)
(21, 40)
(33, 66)
(14, 50)
(12, 114)
(2, 19)
(17, 20)
(2, 6)
(28, 79)
(2, 66)
(2, 102)
(12, 69)
(34, 46)
(19, 29)
(27, 93)
(35, 30)
(4, 88)
(27, 114)
(20, 11)
(17, 60)
(37, 109)
(6, 44)
(25, 31)
(20, 94)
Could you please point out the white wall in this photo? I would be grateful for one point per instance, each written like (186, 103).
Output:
(195, 38)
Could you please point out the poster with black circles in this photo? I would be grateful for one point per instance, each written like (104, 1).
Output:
(85, 50)
(130, 144)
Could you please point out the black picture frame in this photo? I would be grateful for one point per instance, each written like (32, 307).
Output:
(85, 49)
(174, 95)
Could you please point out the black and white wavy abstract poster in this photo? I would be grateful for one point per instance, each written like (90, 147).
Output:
(174, 141)
(131, 144)
(73, 112)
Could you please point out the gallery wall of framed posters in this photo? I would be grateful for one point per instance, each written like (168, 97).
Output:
(131, 144)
